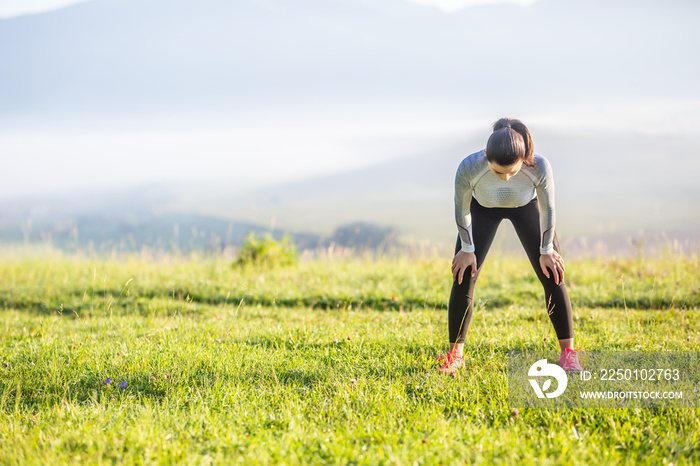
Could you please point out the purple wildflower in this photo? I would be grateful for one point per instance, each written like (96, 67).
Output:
(7, 364)
(108, 381)
(123, 384)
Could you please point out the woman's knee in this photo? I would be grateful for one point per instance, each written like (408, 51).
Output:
(467, 280)
(550, 281)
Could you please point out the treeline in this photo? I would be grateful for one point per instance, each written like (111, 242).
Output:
(183, 233)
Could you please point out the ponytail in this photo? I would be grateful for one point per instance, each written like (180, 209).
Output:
(509, 143)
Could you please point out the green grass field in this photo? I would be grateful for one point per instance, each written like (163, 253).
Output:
(321, 362)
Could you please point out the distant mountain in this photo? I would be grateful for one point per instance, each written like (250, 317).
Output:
(605, 184)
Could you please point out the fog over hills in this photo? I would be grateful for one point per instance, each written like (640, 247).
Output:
(608, 187)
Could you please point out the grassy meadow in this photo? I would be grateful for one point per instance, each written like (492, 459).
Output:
(326, 361)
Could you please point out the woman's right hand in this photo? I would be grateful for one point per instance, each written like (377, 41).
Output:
(460, 263)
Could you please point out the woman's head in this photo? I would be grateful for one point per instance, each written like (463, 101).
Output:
(510, 143)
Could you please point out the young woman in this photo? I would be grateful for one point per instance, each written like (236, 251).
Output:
(507, 180)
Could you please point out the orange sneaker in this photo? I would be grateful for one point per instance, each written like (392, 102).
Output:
(569, 360)
(450, 362)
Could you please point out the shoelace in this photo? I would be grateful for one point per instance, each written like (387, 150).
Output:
(571, 355)
(453, 357)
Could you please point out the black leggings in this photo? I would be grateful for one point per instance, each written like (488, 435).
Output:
(526, 220)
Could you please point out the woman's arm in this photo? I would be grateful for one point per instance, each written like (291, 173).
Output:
(545, 200)
(463, 200)
(464, 258)
(549, 258)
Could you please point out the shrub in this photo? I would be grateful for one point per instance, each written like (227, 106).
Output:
(267, 252)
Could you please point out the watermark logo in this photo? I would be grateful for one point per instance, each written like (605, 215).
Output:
(611, 379)
(542, 368)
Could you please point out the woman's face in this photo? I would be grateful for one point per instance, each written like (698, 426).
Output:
(505, 172)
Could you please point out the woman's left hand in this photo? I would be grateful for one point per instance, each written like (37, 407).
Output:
(555, 263)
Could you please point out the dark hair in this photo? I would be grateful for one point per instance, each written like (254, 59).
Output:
(509, 143)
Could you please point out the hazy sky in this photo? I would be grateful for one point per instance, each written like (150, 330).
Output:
(627, 69)
(306, 145)
(11, 8)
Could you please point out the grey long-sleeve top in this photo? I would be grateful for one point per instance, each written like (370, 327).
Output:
(474, 178)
